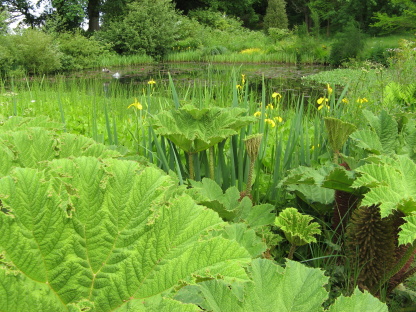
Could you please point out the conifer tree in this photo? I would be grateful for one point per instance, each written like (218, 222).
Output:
(276, 15)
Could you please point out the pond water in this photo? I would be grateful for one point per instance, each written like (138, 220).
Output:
(277, 77)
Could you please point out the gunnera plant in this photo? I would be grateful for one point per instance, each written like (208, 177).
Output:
(380, 263)
(371, 245)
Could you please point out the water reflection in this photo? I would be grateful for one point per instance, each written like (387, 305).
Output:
(279, 78)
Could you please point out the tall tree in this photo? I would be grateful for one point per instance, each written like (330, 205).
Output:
(276, 15)
(402, 19)
(26, 9)
(298, 11)
(68, 14)
(93, 13)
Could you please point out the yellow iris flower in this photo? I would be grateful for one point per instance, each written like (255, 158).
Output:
(276, 96)
(136, 104)
(323, 102)
(362, 100)
(270, 122)
(329, 89)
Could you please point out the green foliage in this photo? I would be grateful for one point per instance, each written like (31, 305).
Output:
(359, 301)
(383, 136)
(195, 130)
(190, 34)
(338, 132)
(215, 20)
(7, 58)
(79, 52)
(329, 176)
(298, 228)
(149, 27)
(34, 51)
(229, 205)
(278, 34)
(347, 45)
(391, 181)
(67, 16)
(393, 23)
(275, 15)
(113, 221)
(403, 95)
(273, 288)
(4, 15)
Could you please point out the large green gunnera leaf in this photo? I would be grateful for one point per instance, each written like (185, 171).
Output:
(105, 234)
(383, 136)
(391, 183)
(275, 289)
(392, 186)
(298, 228)
(29, 147)
(195, 130)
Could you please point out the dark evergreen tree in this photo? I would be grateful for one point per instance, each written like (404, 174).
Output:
(276, 16)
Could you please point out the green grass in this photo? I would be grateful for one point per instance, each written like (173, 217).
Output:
(124, 60)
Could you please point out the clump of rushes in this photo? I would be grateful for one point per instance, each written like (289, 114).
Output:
(252, 144)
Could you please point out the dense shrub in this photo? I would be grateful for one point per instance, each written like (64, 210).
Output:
(190, 34)
(79, 52)
(150, 26)
(277, 34)
(34, 51)
(347, 45)
(215, 20)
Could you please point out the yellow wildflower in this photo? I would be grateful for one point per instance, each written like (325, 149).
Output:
(243, 79)
(257, 114)
(239, 87)
(323, 102)
(313, 147)
(362, 100)
(270, 122)
(322, 106)
(345, 100)
(277, 96)
(328, 87)
(136, 104)
(270, 106)
(278, 119)
(250, 51)
(151, 82)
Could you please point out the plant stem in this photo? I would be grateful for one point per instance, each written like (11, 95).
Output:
(191, 166)
(250, 177)
(291, 251)
(211, 163)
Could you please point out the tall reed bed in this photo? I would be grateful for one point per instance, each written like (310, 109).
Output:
(109, 60)
(210, 55)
